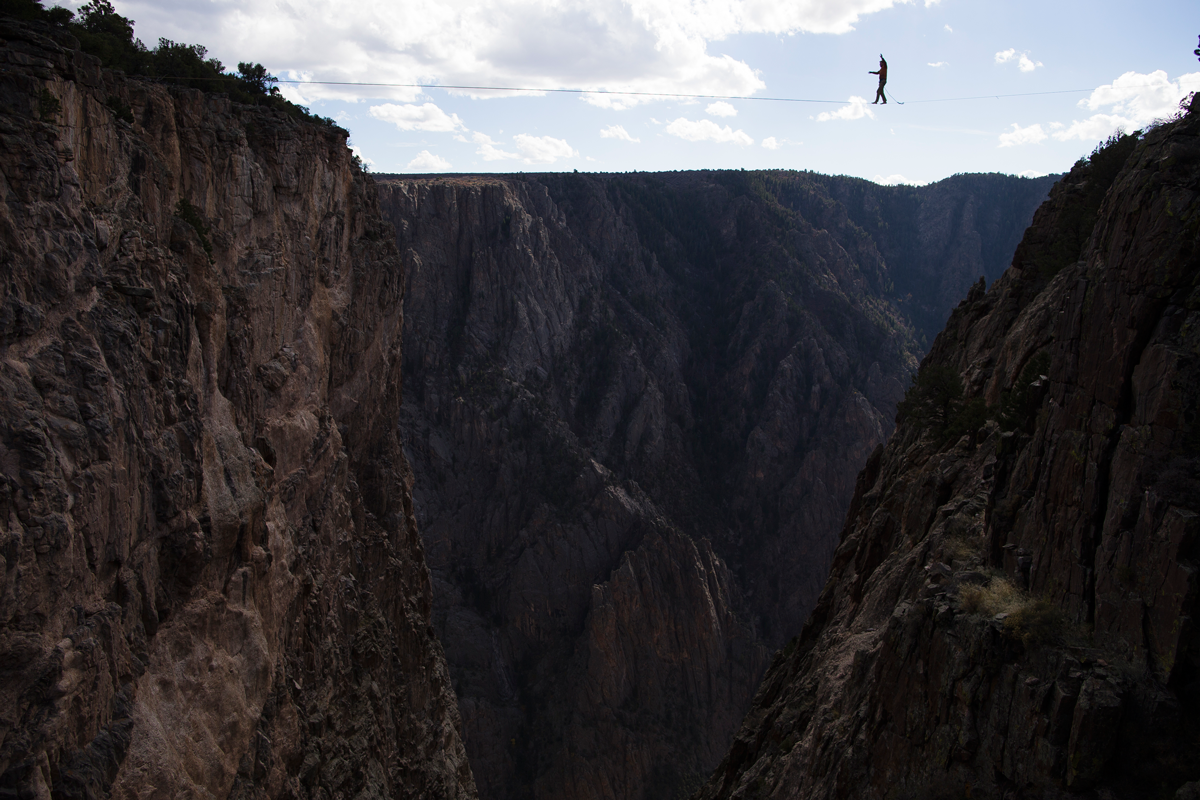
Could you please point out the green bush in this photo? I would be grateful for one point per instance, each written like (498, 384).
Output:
(48, 106)
(935, 402)
(1077, 216)
(120, 110)
(968, 418)
(188, 213)
(109, 36)
(934, 397)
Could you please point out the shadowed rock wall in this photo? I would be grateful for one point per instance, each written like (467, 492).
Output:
(635, 408)
(212, 581)
(1010, 610)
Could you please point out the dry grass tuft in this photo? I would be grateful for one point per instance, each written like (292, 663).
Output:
(1029, 621)
(997, 597)
(1035, 623)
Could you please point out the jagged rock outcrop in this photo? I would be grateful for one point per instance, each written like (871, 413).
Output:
(1011, 610)
(635, 408)
(213, 585)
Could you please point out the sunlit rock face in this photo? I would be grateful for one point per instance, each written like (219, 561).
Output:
(212, 581)
(635, 406)
(1010, 609)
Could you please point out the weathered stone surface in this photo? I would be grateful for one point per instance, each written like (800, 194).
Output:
(635, 409)
(212, 582)
(1073, 671)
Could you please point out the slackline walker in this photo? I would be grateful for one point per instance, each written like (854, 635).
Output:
(882, 73)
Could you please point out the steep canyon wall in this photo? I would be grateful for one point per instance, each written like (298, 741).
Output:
(212, 581)
(1011, 610)
(635, 408)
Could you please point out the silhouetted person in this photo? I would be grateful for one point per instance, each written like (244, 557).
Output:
(882, 73)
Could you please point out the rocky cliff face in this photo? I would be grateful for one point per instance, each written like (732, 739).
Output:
(212, 581)
(1010, 610)
(937, 240)
(635, 409)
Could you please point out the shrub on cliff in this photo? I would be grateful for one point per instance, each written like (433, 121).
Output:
(1093, 176)
(935, 402)
(109, 36)
(29, 10)
(1019, 405)
(936, 393)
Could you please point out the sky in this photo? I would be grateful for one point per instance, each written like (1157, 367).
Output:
(1047, 79)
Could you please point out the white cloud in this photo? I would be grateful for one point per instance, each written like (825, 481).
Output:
(617, 132)
(857, 109)
(615, 102)
(1024, 62)
(620, 45)
(543, 149)
(488, 149)
(721, 109)
(1018, 135)
(1132, 101)
(1027, 65)
(1094, 128)
(897, 180)
(705, 130)
(428, 162)
(949, 29)
(1032, 173)
(771, 143)
(361, 157)
(937, 63)
(1143, 97)
(769, 16)
(427, 117)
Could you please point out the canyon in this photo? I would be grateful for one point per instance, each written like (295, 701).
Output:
(1010, 612)
(316, 483)
(635, 407)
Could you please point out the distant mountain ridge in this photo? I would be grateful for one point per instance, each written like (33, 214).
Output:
(635, 407)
